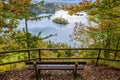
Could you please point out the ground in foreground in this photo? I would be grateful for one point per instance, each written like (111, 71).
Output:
(91, 72)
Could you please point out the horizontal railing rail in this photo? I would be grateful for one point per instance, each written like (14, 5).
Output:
(40, 58)
(35, 49)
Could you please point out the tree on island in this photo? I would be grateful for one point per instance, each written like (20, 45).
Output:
(60, 20)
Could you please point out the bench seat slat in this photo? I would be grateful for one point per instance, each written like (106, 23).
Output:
(57, 67)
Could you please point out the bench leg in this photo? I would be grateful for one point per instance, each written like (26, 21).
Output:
(39, 71)
(74, 75)
(36, 71)
(75, 71)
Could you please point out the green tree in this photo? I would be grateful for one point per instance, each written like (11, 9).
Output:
(105, 15)
(11, 11)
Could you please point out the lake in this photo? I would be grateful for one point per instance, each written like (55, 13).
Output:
(46, 26)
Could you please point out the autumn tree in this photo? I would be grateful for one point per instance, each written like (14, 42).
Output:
(12, 10)
(105, 30)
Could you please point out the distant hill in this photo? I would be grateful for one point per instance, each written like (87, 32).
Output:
(46, 8)
(49, 7)
(64, 1)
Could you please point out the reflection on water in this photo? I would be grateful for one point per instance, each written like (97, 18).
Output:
(46, 26)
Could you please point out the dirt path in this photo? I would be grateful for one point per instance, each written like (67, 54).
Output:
(91, 72)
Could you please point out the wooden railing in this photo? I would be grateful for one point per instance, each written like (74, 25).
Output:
(99, 51)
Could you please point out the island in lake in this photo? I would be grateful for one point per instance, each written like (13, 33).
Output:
(60, 20)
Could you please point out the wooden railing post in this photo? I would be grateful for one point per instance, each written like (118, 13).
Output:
(116, 51)
(39, 55)
(98, 57)
(28, 54)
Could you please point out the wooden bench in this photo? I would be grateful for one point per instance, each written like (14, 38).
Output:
(37, 66)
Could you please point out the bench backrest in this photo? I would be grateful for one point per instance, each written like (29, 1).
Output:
(55, 63)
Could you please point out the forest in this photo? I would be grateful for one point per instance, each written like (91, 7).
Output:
(103, 31)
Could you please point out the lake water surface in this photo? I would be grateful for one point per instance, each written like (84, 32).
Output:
(46, 26)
